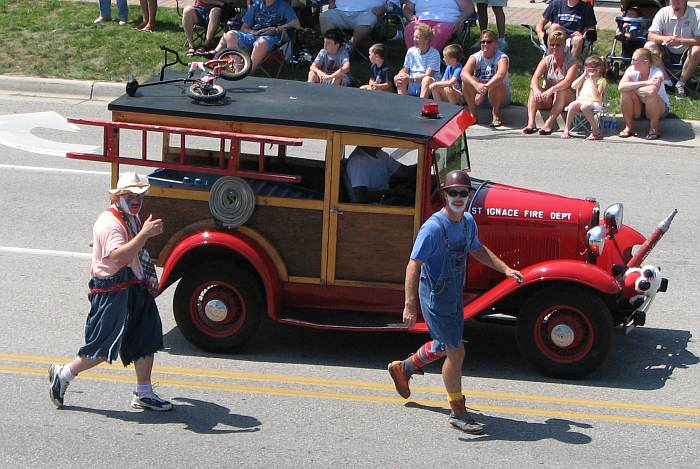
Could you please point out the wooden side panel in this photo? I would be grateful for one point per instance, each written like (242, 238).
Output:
(176, 214)
(295, 233)
(373, 247)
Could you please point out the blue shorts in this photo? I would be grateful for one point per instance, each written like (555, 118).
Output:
(246, 41)
(123, 322)
(202, 14)
(413, 89)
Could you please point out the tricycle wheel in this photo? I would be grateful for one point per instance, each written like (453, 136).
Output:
(206, 93)
(218, 306)
(237, 64)
(565, 331)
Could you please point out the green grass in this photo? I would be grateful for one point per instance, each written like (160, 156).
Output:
(52, 38)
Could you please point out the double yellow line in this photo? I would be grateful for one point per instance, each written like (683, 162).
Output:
(281, 383)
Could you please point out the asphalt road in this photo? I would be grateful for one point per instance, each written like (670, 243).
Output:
(304, 398)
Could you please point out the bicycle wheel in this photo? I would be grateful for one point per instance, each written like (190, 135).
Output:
(235, 64)
(206, 93)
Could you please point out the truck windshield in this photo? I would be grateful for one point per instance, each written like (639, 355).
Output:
(456, 156)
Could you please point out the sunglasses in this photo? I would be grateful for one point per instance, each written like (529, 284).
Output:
(133, 196)
(462, 194)
(487, 42)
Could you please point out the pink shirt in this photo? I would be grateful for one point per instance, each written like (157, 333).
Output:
(107, 235)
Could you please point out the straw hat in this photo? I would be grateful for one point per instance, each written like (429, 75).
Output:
(131, 182)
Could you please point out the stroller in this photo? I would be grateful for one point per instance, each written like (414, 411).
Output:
(632, 29)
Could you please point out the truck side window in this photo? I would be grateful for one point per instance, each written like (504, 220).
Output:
(373, 175)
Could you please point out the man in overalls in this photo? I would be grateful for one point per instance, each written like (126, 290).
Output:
(435, 276)
(123, 317)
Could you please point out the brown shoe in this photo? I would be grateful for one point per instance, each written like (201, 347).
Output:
(461, 420)
(400, 380)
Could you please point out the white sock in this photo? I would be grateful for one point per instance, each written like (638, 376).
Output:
(144, 389)
(680, 84)
(65, 374)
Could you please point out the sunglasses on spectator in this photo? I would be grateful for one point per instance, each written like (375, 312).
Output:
(486, 42)
(462, 194)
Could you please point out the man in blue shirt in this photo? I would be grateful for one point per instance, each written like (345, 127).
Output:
(263, 25)
(575, 16)
(435, 277)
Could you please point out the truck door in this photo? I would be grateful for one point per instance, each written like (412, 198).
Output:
(370, 241)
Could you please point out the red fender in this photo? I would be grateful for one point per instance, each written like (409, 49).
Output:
(565, 270)
(240, 244)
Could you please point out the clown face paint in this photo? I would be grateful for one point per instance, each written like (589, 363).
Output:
(456, 204)
(131, 203)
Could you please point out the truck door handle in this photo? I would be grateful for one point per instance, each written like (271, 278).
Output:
(336, 211)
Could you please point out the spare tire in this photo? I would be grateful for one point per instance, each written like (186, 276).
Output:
(231, 201)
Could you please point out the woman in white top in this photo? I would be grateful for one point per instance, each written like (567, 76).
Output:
(642, 90)
(445, 18)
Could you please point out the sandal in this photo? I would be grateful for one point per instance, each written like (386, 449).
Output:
(529, 130)
(496, 123)
(566, 134)
(625, 134)
(191, 51)
(593, 136)
(652, 135)
(545, 132)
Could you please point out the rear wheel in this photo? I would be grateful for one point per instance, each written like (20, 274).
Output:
(565, 331)
(218, 306)
(236, 64)
(206, 93)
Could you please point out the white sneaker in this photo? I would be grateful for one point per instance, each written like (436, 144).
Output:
(150, 401)
(502, 44)
(57, 386)
(102, 19)
(122, 22)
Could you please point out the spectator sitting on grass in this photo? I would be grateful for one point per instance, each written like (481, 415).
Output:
(381, 77)
(551, 85)
(485, 78)
(445, 18)
(450, 87)
(359, 15)
(204, 14)
(261, 31)
(332, 62)
(421, 63)
(575, 16)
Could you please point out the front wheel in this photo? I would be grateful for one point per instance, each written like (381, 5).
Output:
(218, 306)
(235, 64)
(565, 331)
(206, 93)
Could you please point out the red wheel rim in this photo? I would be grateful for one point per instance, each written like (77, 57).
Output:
(571, 320)
(218, 309)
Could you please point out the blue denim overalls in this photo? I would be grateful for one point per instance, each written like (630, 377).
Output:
(442, 301)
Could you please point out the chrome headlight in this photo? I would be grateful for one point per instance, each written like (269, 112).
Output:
(596, 239)
(613, 218)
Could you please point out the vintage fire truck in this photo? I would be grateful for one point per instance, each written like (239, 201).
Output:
(259, 221)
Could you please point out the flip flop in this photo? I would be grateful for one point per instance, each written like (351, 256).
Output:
(652, 135)
(529, 130)
(495, 123)
(545, 132)
(625, 134)
(593, 136)
(566, 135)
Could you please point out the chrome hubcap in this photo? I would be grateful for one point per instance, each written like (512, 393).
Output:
(562, 335)
(216, 310)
